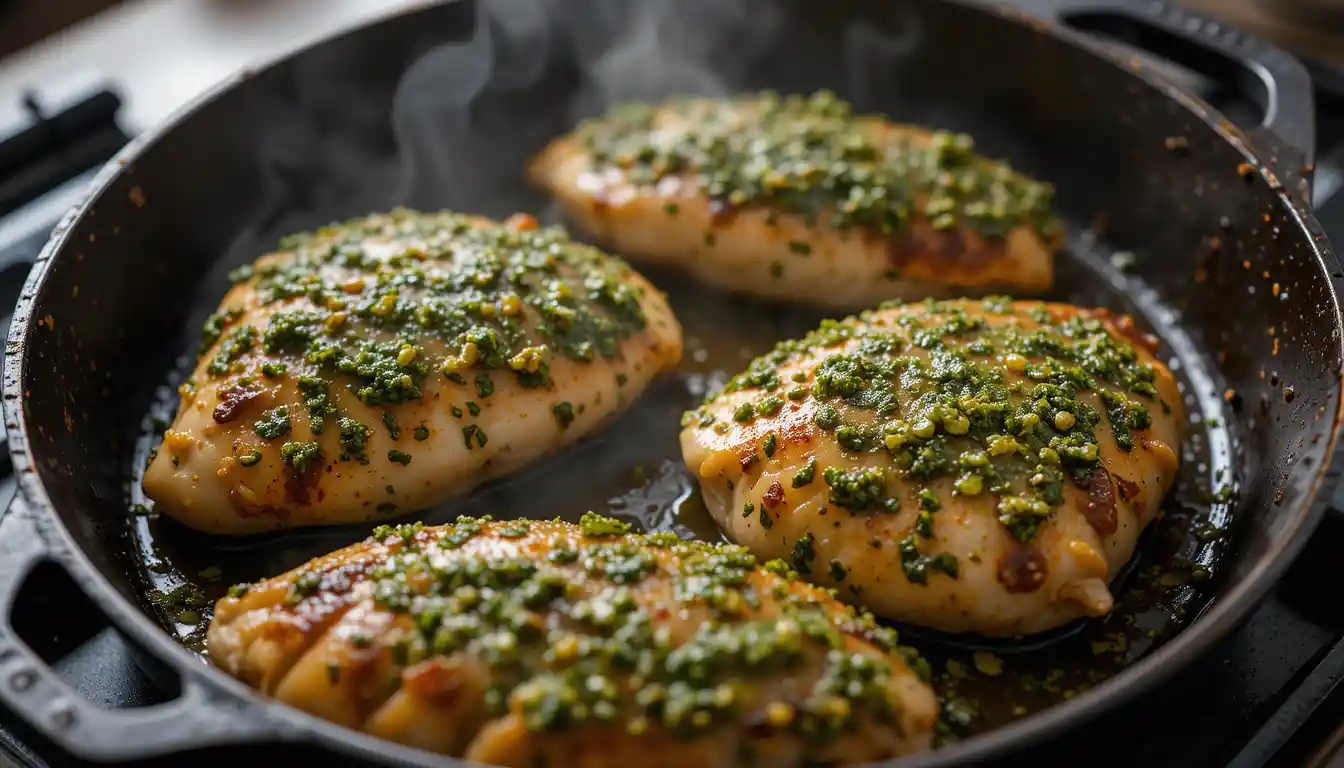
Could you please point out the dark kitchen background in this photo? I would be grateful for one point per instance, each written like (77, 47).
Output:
(78, 78)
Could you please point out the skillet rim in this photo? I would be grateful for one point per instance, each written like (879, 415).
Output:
(1216, 621)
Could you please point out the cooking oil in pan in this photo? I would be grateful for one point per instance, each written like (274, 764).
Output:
(632, 469)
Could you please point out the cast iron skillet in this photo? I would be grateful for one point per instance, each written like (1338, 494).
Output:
(1233, 273)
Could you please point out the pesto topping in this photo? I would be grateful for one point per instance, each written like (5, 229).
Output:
(803, 554)
(390, 421)
(354, 437)
(515, 530)
(301, 455)
(996, 408)
(857, 489)
(917, 566)
(235, 344)
(485, 386)
(474, 437)
(769, 405)
(376, 306)
(838, 570)
(564, 414)
(811, 156)
(924, 524)
(769, 446)
(803, 477)
(928, 500)
(272, 424)
(314, 393)
(597, 526)
(572, 638)
(214, 326)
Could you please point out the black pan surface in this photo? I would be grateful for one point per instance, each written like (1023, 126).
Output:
(1171, 218)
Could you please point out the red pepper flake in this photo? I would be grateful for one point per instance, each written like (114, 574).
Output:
(773, 495)
(1128, 488)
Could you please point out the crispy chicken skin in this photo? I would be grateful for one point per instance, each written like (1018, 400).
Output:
(547, 643)
(797, 199)
(969, 466)
(381, 365)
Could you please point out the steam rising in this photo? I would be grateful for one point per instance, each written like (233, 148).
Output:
(466, 117)
(469, 116)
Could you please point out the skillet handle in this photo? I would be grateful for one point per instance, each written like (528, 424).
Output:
(32, 690)
(1285, 138)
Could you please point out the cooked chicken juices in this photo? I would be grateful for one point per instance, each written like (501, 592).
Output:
(381, 365)
(799, 199)
(528, 643)
(969, 466)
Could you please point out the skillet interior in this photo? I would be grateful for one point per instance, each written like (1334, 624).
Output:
(1224, 274)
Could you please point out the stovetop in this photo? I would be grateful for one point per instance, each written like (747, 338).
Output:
(1267, 696)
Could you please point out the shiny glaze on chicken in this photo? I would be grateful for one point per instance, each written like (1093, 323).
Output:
(383, 364)
(799, 199)
(968, 466)
(521, 643)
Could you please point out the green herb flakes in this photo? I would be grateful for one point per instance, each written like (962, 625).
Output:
(594, 525)
(564, 414)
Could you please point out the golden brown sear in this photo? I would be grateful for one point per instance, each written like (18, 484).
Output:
(384, 364)
(964, 465)
(523, 643)
(799, 199)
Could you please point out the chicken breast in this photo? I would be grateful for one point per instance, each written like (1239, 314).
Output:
(968, 466)
(798, 199)
(551, 644)
(381, 365)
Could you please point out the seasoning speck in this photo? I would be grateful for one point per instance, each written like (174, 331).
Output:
(987, 663)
